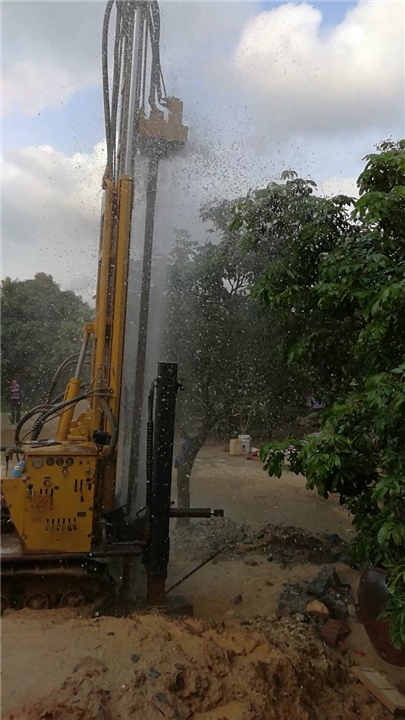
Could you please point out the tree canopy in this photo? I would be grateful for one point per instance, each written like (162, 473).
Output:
(351, 284)
(41, 325)
(230, 348)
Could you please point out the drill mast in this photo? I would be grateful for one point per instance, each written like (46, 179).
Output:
(61, 496)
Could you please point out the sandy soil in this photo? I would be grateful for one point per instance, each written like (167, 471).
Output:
(150, 667)
(231, 671)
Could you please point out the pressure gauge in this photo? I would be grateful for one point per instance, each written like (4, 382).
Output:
(69, 461)
(37, 462)
(50, 461)
(59, 461)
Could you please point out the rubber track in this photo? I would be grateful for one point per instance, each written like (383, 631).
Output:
(53, 579)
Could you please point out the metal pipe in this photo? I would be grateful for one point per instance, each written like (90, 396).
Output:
(159, 510)
(69, 361)
(72, 392)
(194, 570)
(102, 296)
(82, 354)
(113, 425)
(135, 83)
(135, 548)
(143, 329)
(149, 446)
(11, 448)
(195, 513)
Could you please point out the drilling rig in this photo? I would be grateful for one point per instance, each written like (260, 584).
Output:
(61, 490)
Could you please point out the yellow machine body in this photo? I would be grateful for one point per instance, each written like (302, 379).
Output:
(52, 504)
(58, 502)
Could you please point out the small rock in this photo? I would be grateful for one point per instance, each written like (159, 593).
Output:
(269, 583)
(237, 599)
(251, 563)
(288, 553)
(90, 666)
(345, 629)
(317, 609)
(330, 632)
(135, 658)
(270, 557)
(111, 633)
(336, 607)
(179, 666)
(245, 622)
(351, 609)
(300, 617)
(333, 631)
(153, 674)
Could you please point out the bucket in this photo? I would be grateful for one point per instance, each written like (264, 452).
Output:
(246, 439)
(235, 447)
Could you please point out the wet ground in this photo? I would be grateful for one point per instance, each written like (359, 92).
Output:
(242, 586)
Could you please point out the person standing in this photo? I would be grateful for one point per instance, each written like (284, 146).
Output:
(15, 402)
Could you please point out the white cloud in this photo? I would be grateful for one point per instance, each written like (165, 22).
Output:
(305, 81)
(51, 214)
(50, 52)
(51, 206)
(30, 88)
(56, 227)
(290, 97)
(330, 186)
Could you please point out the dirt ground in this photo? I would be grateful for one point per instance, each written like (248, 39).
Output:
(237, 659)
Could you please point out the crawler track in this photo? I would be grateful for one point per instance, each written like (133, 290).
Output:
(49, 584)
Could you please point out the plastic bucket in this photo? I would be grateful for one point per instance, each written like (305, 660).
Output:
(246, 440)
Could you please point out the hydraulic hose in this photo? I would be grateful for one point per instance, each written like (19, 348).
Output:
(37, 409)
(106, 90)
(68, 361)
(38, 424)
(34, 411)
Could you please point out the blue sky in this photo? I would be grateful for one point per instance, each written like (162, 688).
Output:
(333, 11)
(74, 127)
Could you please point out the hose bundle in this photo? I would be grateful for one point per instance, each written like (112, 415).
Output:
(116, 98)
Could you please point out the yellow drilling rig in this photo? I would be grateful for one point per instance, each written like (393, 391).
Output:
(61, 490)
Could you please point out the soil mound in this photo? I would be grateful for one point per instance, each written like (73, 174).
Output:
(281, 543)
(150, 667)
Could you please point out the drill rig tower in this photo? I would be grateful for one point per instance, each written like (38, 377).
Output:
(62, 492)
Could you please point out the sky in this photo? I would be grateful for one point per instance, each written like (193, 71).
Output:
(266, 86)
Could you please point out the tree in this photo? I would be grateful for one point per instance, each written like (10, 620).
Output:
(229, 349)
(41, 325)
(353, 283)
(294, 228)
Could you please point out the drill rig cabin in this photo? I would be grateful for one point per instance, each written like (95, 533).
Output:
(61, 490)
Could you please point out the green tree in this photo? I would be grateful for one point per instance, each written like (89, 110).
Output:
(294, 229)
(230, 352)
(41, 325)
(353, 283)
